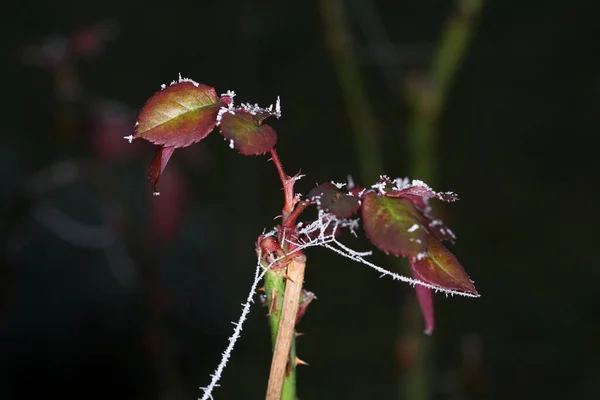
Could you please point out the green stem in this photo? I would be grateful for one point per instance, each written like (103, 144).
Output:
(362, 121)
(428, 99)
(275, 290)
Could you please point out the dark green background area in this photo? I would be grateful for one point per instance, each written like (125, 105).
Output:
(517, 143)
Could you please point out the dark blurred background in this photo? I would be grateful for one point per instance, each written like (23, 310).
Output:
(109, 292)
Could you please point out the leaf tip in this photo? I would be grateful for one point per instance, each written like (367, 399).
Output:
(158, 165)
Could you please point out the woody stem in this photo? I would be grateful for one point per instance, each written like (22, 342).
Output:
(283, 295)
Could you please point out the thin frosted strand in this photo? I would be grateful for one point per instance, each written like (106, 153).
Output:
(350, 251)
(216, 376)
(353, 255)
(258, 276)
(272, 232)
(330, 242)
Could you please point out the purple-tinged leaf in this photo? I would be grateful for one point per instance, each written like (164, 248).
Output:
(246, 134)
(425, 298)
(394, 225)
(329, 198)
(419, 194)
(179, 115)
(439, 230)
(158, 165)
(439, 267)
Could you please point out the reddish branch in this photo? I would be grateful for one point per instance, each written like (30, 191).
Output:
(288, 186)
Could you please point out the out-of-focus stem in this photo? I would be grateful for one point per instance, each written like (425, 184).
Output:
(427, 97)
(366, 138)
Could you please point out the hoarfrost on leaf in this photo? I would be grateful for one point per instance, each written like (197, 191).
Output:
(180, 80)
(229, 109)
(251, 108)
(413, 228)
(229, 93)
(379, 187)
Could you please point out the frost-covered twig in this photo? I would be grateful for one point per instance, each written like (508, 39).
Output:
(285, 330)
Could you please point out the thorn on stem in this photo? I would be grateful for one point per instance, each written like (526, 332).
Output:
(300, 362)
(273, 306)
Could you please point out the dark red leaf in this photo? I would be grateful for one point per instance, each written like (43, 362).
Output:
(441, 268)
(394, 225)
(331, 199)
(425, 298)
(246, 134)
(158, 165)
(439, 230)
(419, 194)
(179, 115)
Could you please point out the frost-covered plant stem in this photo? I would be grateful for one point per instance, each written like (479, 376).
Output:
(395, 216)
(283, 295)
(282, 289)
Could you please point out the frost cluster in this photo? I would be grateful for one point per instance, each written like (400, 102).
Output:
(252, 109)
